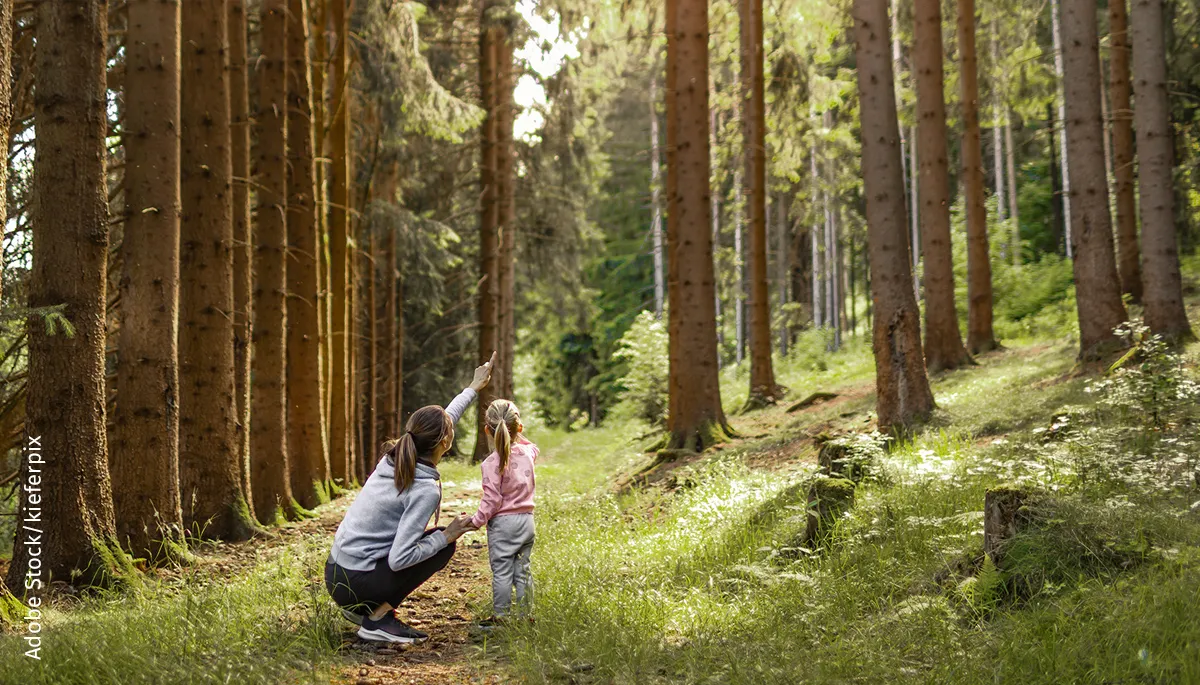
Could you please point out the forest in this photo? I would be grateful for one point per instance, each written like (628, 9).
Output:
(852, 341)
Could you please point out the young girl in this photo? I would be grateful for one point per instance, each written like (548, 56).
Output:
(507, 506)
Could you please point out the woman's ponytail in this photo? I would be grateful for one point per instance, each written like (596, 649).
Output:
(426, 428)
(405, 458)
(502, 418)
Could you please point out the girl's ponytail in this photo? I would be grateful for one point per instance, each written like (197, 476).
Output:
(502, 418)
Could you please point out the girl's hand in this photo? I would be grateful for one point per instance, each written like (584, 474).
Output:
(483, 374)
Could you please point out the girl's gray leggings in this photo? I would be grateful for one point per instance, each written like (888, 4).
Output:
(510, 542)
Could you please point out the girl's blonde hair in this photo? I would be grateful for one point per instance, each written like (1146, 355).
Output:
(502, 419)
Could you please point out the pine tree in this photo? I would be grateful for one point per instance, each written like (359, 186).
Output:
(239, 106)
(763, 389)
(901, 384)
(506, 334)
(65, 408)
(1096, 285)
(340, 438)
(209, 474)
(490, 35)
(695, 418)
(144, 460)
(6, 55)
(308, 457)
(943, 343)
(980, 335)
(1163, 289)
(268, 414)
(1122, 143)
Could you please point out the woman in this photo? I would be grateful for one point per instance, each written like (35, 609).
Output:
(382, 551)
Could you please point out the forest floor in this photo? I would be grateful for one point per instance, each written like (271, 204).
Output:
(695, 576)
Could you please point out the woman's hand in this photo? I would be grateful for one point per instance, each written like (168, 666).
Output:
(483, 374)
(457, 527)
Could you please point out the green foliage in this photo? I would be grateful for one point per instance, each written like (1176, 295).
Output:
(644, 350)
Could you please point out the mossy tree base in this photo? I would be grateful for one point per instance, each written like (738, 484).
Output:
(760, 399)
(700, 438)
(828, 500)
(1002, 519)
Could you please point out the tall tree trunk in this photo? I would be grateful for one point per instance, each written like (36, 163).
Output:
(656, 235)
(695, 418)
(243, 279)
(308, 456)
(1163, 293)
(393, 345)
(209, 473)
(739, 265)
(763, 389)
(943, 342)
(507, 211)
(914, 241)
(65, 407)
(144, 462)
(980, 335)
(371, 350)
(1063, 155)
(714, 124)
(781, 266)
(901, 384)
(489, 217)
(339, 236)
(1097, 289)
(1058, 197)
(268, 415)
(6, 105)
(897, 67)
(818, 231)
(1122, 143)
(1014, 212)
(998, 109)
(319, 18)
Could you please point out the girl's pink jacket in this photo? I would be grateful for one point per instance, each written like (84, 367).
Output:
(510, 492)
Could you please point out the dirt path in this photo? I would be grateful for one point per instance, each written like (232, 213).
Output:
(441, 608)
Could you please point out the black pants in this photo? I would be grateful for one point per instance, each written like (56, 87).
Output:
(363, 591)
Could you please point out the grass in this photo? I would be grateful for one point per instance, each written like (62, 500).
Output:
(710, 583)
(272, 624)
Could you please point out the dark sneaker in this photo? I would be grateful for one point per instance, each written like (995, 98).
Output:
(352, 617)
(390, 629)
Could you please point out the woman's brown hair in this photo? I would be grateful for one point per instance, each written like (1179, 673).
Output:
(426, 428)
(502, 418)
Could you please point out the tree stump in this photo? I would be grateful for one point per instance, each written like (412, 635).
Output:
(1002, 519)
(828, 499)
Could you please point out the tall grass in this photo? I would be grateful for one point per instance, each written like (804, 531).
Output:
(273, 624)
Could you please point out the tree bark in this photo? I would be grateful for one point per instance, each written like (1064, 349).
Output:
(65, 405)
(392, 343)
(1122, 144)
(914, 244)
(1163, 291)
(998, 109)
(763, 389)
(507, 210)
(268, 414)
(144, 462)
(243, 278)
(817, 246)
(901, 384)
(339, 235)
(1014, 212)
(6, 106)
(695, 418)
(781, 266)
(490, 35)
(980, 335)
(1098, 292)
(943, 343)
(308, 456)
(1065, 175)
(1058, 198)
(656, 235)
(210, 478)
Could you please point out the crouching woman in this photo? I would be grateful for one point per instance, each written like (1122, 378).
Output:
(382, 551)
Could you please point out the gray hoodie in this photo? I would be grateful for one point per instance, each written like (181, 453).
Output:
(384, 523)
